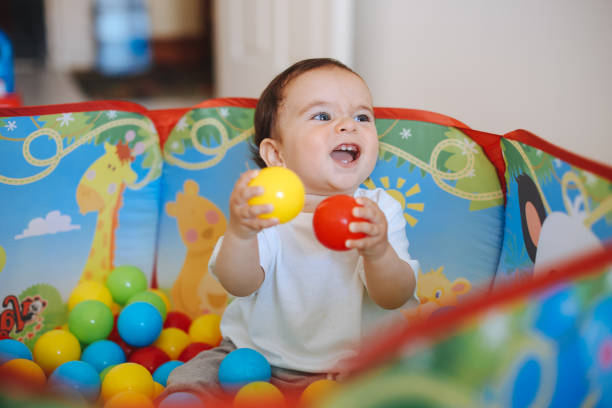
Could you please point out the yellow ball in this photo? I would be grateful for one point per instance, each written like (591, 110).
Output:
(163, 297)
(317, 390)
(127, 377)
(90, 290)
(55, 348)
(259, 394)
(157, 389)
(129, 399)
(21, 371)
(283, 189)
(205, 329)
(173, 341)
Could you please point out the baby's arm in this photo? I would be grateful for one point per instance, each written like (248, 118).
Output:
(389, 279)
(237, 265)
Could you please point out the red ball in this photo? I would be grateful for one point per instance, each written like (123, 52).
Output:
(177, 319)
(331, 221)
(114, 336)
(193, 350)
(149, 357)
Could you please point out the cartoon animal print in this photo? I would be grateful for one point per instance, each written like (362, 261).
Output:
(553, 236)
(101, 189)
(200, 224)
(16, 315)
(436, 291)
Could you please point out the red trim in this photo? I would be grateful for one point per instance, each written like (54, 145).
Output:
(165, 120)
(378, 350)
(417, 114)
(232, 102)
(73, 107)
(524, 136)
(10, 100)
(491, 147)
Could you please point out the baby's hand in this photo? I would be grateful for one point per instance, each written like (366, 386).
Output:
(244, 218)
(375, 243)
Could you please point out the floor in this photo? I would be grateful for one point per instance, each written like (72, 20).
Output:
(38, 85)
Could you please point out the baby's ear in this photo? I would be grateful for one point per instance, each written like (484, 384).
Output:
(269, 150)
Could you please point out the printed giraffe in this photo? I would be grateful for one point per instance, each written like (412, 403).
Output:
(101, 189)
(200, 225)
(436, 291)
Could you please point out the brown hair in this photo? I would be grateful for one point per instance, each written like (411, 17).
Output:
(271, 98)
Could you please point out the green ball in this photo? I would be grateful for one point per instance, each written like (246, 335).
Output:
(124, 282)
(90, 320)
(152, 298)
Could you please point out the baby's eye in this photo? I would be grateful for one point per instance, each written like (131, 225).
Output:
(362, 118)
(322, 116)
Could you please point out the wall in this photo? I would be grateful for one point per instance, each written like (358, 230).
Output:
(541, 65)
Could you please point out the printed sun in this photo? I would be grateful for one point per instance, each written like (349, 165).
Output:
(398, 194)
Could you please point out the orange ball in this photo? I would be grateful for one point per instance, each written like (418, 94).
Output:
(22, 373)
(157, 389)
(259, 394)
(129, 399)
(172, 341)
(316, 391)
(205, 329)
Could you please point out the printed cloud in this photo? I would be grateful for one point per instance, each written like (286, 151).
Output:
(53, 223)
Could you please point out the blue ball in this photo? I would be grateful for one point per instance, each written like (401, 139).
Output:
(103, 353)
(243, 366)
(181, 400)
(163, 371)
(139, 324)
(78, 376)
(11, 349)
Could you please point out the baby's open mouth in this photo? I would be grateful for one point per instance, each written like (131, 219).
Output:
(345, 153)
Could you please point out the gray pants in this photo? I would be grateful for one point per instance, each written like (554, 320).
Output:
(199, 376)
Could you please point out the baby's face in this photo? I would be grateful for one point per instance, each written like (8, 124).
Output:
(327, 131)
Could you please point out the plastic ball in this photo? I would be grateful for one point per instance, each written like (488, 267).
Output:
(157, 389)
(316, 391)
(149, 357)
(124, 282)
(127, 377)
(105, 371)
(129, 399)
(90, 320)
(283, 189)
(152, 298)
(22, 373)
(181, 400)
(163, 297)
(206, 329)
(103, 353)
(173, 341)
(55, 348)
(193, 350)
(259, 394)
(115, 337)
(78, 376)
(163, 371)
(10, 349)
(242, 366)
(139, 324)
(331, 221)
(90, 290)
(179, 320)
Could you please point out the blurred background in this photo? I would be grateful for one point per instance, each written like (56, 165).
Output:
(497, 66)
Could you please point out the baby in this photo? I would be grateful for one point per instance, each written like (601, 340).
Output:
(298, 303)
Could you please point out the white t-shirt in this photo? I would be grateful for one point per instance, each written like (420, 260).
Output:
(308, 313)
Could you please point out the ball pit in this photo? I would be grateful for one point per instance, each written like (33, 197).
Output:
(173, 341)
(243, 366)
(149, 357)
(55, 348)
(179, 320)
